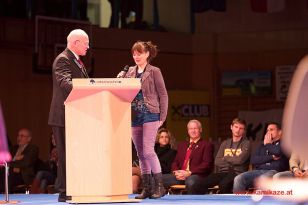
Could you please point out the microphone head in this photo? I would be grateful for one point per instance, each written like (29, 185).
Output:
(125, 69)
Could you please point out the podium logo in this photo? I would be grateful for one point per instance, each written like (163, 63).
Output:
(92, 81)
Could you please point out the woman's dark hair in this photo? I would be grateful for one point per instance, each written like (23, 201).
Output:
(141, 47)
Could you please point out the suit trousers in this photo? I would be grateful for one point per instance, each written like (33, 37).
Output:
(59, 134)
(190, 182)
(14, 179)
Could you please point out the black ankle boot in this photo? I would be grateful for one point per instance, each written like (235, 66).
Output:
(146, 190)
(159, 190)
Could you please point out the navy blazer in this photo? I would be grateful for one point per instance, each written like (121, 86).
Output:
(263, 157)
(201, 158)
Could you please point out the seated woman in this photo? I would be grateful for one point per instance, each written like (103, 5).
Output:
(48, 174)
(165, 153)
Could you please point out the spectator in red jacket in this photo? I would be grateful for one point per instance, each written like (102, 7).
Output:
(194, 160)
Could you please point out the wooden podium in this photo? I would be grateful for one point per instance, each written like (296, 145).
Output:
(98, 140)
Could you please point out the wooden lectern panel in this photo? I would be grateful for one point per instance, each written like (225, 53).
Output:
(98, 141)
(124, 88)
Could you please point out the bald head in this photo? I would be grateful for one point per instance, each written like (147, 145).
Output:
(78, 42)
(24, 136)
(75, 35)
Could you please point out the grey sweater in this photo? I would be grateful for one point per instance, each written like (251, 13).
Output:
(233, 156)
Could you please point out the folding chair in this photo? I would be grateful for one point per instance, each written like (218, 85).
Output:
(177, 189)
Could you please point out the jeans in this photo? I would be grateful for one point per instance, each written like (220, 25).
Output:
(46, 178)
(144, 141)
(285, 174)
(244, 181)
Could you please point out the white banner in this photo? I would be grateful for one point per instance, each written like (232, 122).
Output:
(284, 75)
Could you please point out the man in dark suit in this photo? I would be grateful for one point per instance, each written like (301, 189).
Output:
(22, 166)
(194, 160)
(66, 66)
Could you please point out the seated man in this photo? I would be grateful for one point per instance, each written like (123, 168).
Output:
(232, 159)
(193, 161)
(268, 160)
(298, 168)
(24, 155)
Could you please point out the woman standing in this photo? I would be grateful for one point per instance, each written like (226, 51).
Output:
(165, 153)
(149, 111)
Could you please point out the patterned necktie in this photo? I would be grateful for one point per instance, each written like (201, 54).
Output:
(80, 62)
(187, 156)
(83, 68)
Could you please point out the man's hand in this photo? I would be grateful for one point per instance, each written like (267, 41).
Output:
(19, 157)
(268, 139)
(181, 174)
(16, 170)
(275, 157)
(178, 174)
(187, 174)
(298, 173)
(305, 174)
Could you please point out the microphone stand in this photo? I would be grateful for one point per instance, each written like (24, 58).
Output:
(7, 201)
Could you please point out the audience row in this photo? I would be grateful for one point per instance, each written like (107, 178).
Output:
(234, 169)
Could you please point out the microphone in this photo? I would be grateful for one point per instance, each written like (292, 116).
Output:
(123, 72)
(125, 69)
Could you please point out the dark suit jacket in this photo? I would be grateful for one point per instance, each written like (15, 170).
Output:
(201, 158)
(65, 67)
(27, 164)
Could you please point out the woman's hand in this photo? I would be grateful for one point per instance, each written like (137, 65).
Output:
(121, 74)
(160, 123)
